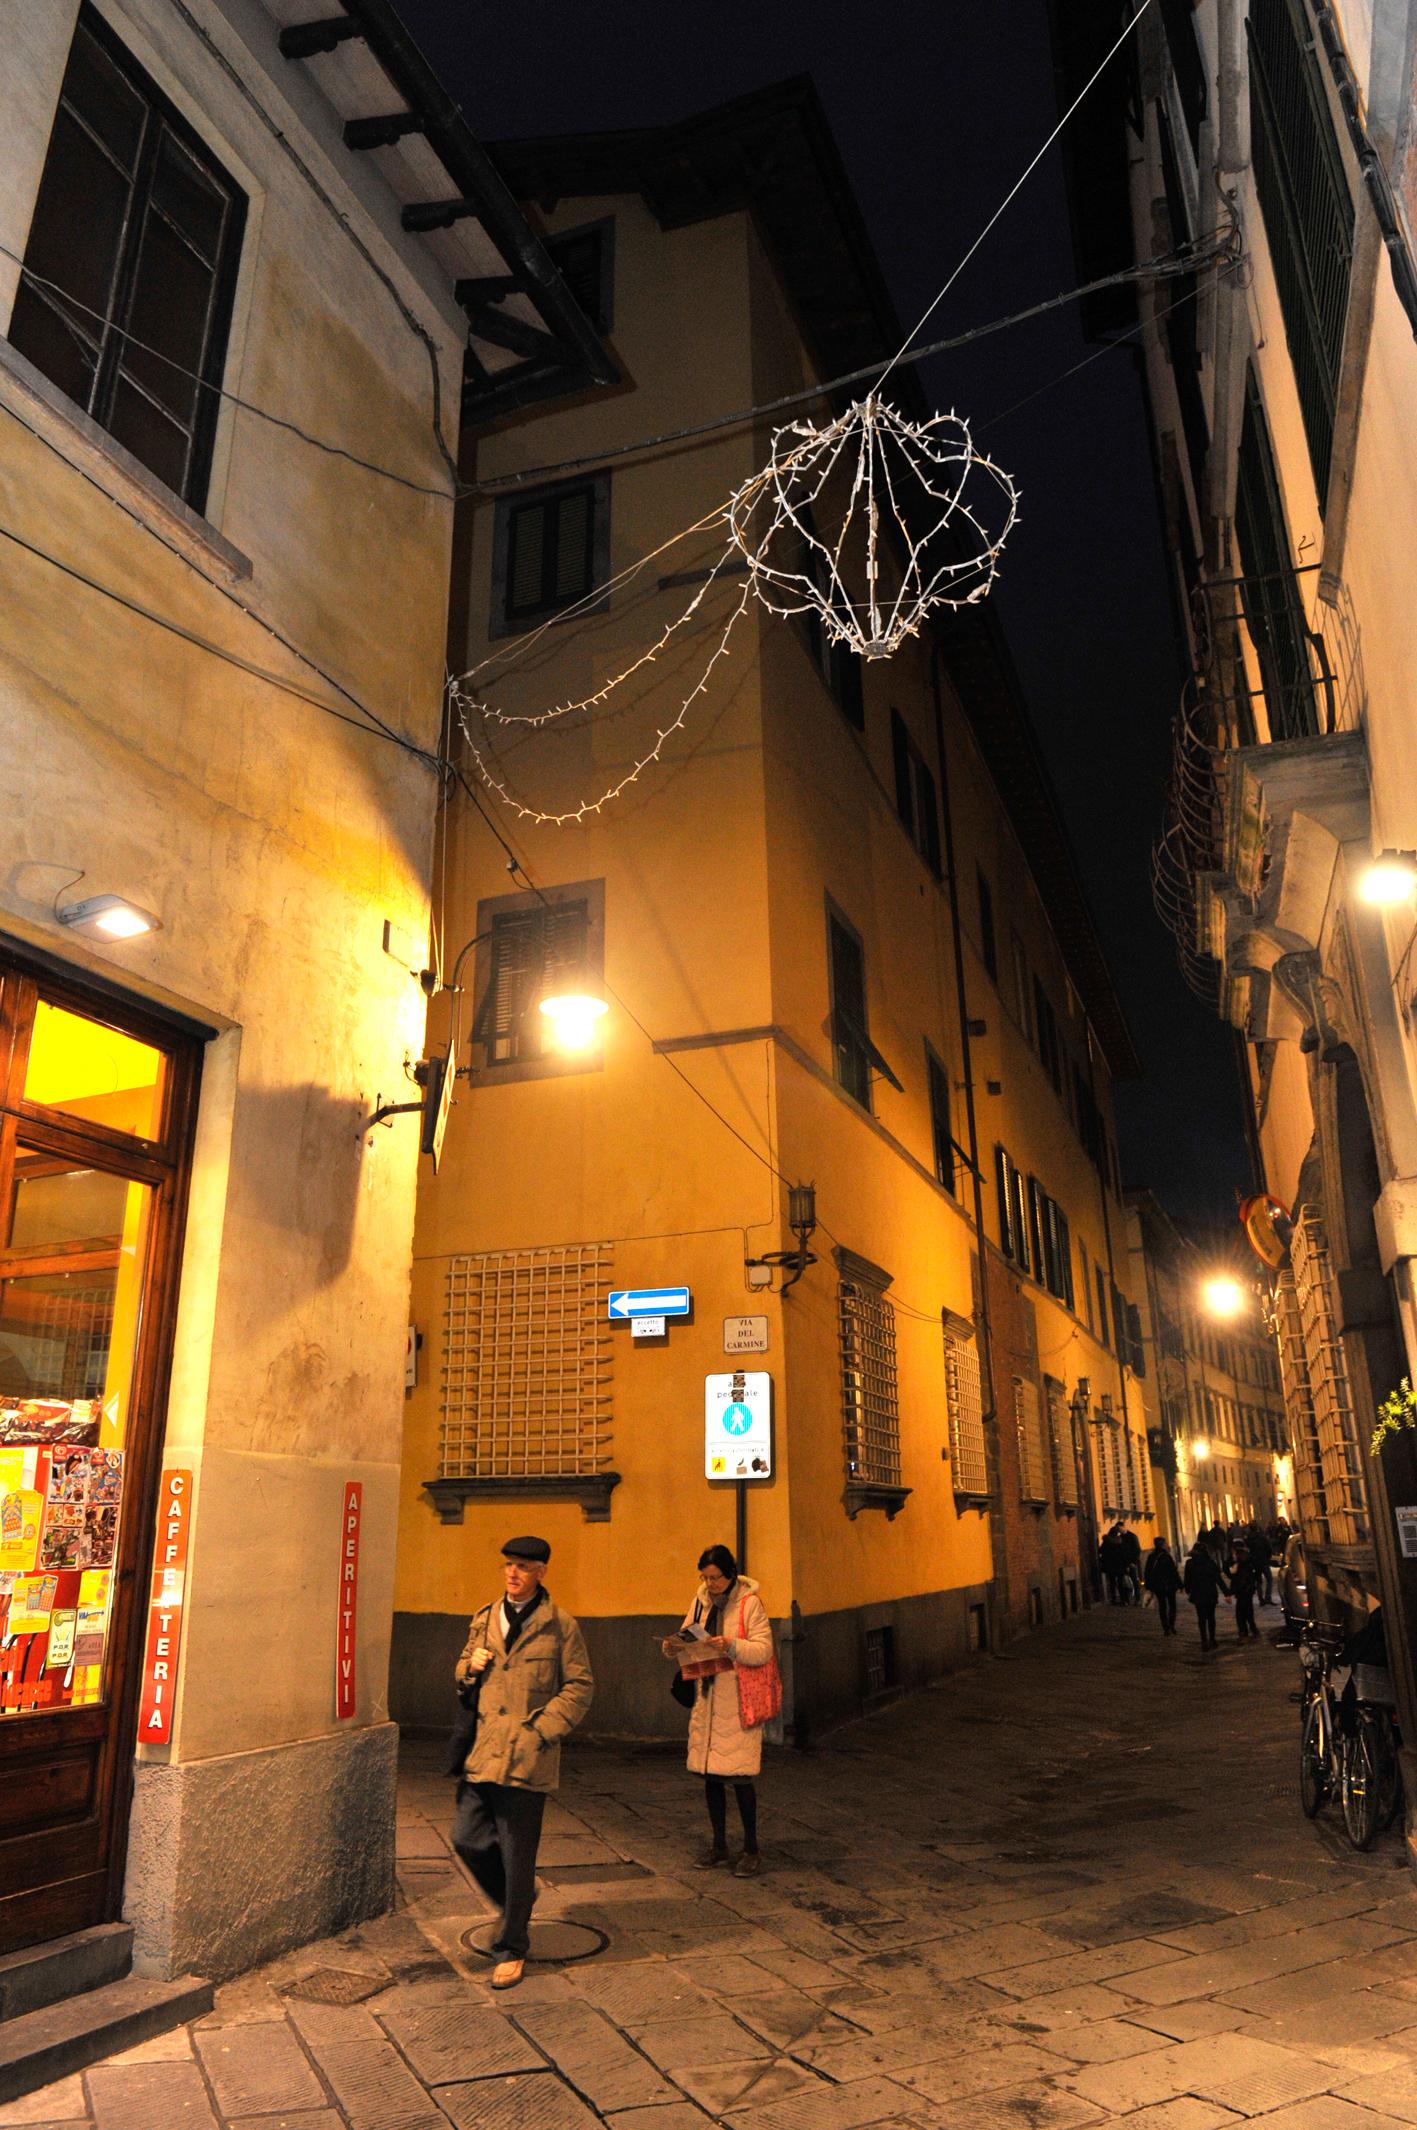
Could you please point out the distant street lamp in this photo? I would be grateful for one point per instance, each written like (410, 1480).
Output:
(1200, 1448)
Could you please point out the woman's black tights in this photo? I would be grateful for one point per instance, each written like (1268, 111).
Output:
(716, 1792)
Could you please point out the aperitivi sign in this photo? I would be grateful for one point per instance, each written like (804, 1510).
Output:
(165, 1609)
(347, 1613)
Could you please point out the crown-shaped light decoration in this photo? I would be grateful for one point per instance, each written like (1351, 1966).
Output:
(872, 521)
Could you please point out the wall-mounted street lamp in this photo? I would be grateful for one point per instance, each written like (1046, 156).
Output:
(1390, 879)
(1222, 1295)
(108, 917)
(1200, 1448)
(574, 1019)
(802, 1219)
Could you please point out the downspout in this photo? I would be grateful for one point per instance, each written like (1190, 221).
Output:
(986, 1371)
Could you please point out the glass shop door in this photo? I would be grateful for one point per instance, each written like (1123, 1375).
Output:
(96, 1108)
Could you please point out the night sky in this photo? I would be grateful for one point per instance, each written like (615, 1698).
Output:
(937, 106)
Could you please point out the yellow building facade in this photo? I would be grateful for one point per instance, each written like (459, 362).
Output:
(841, 944)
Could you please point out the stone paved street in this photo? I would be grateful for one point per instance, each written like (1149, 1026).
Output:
(1072, 1886)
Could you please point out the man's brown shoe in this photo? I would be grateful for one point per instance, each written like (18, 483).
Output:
(507, 1974)
(748, 1865)
(710, 1859)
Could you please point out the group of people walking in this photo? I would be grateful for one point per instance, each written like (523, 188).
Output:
(524, 1684)
(1237, 1563)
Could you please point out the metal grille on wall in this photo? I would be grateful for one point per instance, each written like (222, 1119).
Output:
(1060, 1444)
(869, 1402)
(1335, 1432)
(1109, 1456)
(526, 1364)
(965, 1402)
(1032, 1462)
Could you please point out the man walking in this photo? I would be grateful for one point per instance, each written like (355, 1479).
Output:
(1204, 1583)
(533, 1687)
(1163, 1579)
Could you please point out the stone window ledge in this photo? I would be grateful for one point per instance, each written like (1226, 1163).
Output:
(125, 480)
(866, 1494)
(591, 1489)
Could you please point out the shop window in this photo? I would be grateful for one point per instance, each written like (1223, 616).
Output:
(526, 1365)
(549, 551)
(130, 266)
(94, 1073)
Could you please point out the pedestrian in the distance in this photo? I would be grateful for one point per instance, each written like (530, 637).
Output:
(1113, 1566)
(1163, 1579)
(736, 1631)
(1244, 1580)
(534, 1688)
(1262, 1554)
(1203, 1584)
(1131, 1562)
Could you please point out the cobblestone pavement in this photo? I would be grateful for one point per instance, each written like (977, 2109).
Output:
(1071, 1886)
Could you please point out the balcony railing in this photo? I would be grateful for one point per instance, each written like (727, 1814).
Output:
(1273, 662)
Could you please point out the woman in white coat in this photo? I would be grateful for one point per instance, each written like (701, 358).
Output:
(737, 1632)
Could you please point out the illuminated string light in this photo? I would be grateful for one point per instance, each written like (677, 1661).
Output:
(897, 473)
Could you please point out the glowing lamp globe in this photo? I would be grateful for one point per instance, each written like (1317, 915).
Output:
(1223, 1296)
(574, 1020)
(1390, 879)
(1200, 1447)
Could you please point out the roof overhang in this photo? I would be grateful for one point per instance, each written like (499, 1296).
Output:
(527, 336)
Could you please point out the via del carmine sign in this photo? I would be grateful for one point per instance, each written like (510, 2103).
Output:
(348, 1598)
(165, 1609)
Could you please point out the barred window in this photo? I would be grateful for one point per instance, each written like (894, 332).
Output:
(531, 947)
(1060, 1444)
(1032, 1463)
(869, 1398)
(526, 1388)
(1114, 1499)
(965, 1403)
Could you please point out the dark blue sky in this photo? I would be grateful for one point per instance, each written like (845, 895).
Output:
(936, 109)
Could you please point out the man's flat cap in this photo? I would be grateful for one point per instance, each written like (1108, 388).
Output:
(526, 1549)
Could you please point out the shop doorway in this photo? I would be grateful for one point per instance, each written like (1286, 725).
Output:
(96, 1112)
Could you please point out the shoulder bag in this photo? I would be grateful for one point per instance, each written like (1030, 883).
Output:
(759, 1685)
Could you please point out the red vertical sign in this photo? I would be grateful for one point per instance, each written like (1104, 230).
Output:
(348, 1598)
(165, 1609)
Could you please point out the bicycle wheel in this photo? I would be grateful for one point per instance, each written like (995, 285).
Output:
(1360, 1784)
(1313, 1760)
(1390, 1789)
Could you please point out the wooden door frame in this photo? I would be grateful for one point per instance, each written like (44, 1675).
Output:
(165, 1165)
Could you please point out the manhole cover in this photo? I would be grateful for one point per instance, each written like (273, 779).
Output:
(592, 1874)
(552, 1943)
(336, 1985)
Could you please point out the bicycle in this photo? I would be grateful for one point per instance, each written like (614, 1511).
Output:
(1372, 1772)
(1320, 1733)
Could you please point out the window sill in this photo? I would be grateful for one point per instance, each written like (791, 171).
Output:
(591, 1489)
(965, 1500)
(124, 479)
(864, 1494)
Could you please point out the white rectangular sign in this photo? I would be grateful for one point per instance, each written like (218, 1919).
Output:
(1407, 1532)
(647, 1327)
(738, 1425)
(745, 1334)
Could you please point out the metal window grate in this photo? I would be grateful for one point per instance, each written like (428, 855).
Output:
(1060, 1445)
(965, 1403)
(869, 1399)
(526, 1364)
(1032, 1464)
(1110, 1458)
(880, 1661)
(1335, 1435)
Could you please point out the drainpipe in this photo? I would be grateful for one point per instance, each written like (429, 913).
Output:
(986, 1339)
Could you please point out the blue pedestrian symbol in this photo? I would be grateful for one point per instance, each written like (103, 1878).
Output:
(737, 1419)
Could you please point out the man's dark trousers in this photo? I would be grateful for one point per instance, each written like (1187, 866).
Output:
(1205, 1616)
(1166, 1608)
(496, 1832)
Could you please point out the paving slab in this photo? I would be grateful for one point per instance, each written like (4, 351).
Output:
(256, 2068)
(62, 2101)
(140, 2096)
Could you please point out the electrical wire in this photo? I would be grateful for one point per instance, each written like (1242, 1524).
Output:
(247, 406)
(1187, 258)
(1016, 188)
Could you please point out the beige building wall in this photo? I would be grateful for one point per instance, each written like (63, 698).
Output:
(177, 726)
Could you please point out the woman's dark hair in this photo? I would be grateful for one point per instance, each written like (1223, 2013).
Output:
(719, 1557)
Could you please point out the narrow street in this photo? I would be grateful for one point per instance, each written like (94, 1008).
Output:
(1072, 1886)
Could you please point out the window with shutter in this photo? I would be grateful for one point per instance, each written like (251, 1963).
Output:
(988, 944)
(136, 231)
(916, 800)
(549, 551)
(531, 947)
(585, 260)
(851, 1042)
(941, 1121)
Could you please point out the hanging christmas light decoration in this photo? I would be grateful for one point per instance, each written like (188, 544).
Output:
(918, 520)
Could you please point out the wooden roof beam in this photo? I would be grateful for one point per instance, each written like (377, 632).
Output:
(306, 40)
(384, 132)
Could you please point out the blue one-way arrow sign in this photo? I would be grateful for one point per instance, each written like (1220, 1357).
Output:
(649, 1301)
